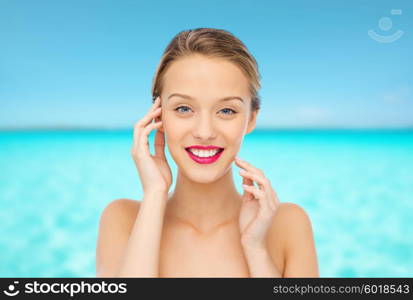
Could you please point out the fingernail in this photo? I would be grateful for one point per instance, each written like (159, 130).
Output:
(238, 158)
(243, 171)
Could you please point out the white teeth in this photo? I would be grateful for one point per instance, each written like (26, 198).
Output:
(204, 153)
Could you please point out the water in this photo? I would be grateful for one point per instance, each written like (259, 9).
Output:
(356, 186)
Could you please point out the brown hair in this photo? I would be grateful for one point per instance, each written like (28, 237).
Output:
(212, 43)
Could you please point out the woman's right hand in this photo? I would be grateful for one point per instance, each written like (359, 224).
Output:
(154, 171)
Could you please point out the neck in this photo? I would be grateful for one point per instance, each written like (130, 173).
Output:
(205, 206)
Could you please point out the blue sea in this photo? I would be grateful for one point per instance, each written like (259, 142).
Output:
(356, 186)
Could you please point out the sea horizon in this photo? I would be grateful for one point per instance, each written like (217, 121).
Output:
(103, 128)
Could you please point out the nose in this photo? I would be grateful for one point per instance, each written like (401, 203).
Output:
(204, 128)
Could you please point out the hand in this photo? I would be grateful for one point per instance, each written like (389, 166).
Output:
(259, 204)
(154, 171)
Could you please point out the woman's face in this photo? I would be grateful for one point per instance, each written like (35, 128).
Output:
(194, 114)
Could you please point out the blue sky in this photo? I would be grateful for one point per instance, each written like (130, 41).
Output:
(90, 63)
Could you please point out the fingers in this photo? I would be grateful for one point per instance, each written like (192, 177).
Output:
(246, 180)
(139, 126)
(150, 114)
(160, 144)
(249, 182)
(264, 188)
(252, 173)
(143, 127)
(258, 194)
(262, 181)
(143, 145)
(247, 166)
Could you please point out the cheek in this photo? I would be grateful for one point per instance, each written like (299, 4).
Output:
(240, 131)
(174, 130)
(238, 126)
(166, 121)
(234, 133)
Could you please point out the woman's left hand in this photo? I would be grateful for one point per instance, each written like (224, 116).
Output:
(259, 204)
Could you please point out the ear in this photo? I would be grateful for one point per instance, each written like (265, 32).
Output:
(252, 122)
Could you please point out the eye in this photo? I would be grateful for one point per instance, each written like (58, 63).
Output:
(177, 109)
(228, 111)
(233, 112)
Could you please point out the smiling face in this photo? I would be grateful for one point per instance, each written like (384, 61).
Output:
(205, 101)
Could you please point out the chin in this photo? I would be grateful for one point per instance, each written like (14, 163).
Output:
(201, 173)
(200, 176)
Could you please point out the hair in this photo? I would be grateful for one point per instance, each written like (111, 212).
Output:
(213, 43)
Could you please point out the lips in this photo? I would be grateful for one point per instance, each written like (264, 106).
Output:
(201, 147)
(204, 160)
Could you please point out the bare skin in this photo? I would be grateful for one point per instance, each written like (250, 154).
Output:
(195, 231)
(186, 253)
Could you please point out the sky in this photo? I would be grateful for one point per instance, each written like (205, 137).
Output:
(90, 63)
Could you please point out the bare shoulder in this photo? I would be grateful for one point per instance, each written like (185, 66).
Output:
(291, 215)
(292, 231)
(123, 211)
(115, 224)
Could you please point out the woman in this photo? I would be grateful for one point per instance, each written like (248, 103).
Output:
(205, 94)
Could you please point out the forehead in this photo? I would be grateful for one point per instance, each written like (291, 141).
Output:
(204, 77)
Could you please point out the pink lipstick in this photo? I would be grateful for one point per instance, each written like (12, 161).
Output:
(198, 150)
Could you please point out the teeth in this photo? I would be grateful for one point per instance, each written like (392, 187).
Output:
(204, 153)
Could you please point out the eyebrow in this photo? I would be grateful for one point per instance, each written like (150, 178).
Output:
(222, 99)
